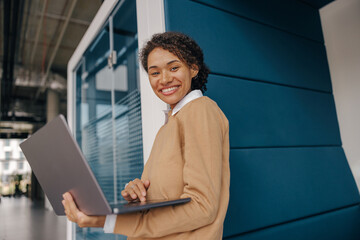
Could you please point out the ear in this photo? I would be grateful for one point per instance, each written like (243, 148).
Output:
(194, 70)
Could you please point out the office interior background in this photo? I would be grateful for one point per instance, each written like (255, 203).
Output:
(285, 73)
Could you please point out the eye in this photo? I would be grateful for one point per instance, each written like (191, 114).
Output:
(174, 69)
(154, 73)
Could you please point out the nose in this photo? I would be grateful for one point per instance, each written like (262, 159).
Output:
(166, 78)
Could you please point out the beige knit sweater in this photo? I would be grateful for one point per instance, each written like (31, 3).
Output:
(189, 158)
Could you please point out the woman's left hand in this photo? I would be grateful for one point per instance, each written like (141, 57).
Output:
(136, 190)
(78, 217)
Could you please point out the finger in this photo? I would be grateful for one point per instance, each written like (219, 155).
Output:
(67, 211)
(138, 191)
(66, 205)
(130, 190)
(141, 187)
(147, 184)
(72, 206)
(126, 195)
(134, 191)
(131, 193)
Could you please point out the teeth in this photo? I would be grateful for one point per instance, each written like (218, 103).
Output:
(169, 89)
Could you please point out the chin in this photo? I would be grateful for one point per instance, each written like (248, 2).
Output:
(170, 101)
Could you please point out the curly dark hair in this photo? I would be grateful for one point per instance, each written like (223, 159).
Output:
(182, 46)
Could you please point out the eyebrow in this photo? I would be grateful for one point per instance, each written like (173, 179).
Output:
(166, 64)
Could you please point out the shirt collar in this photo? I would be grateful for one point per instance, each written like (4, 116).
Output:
(194, 94)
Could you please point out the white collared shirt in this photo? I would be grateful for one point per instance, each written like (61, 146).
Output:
(194, 94)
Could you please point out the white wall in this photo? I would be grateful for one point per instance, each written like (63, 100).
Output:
(341, 27)
(150, 20)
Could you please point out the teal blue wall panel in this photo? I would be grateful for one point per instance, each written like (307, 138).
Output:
(235, 46)
(291, 16)
(275, 185)
(290, 179)
(269, 115)
(338, 225)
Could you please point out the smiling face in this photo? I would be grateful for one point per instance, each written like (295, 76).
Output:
(170, 78)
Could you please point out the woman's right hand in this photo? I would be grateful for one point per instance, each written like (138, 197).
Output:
(135, 190)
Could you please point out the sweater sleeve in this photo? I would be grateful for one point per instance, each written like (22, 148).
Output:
(202, 131)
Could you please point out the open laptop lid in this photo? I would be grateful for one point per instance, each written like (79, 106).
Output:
(60, 167)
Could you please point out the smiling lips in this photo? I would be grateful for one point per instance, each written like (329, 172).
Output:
(169, 91)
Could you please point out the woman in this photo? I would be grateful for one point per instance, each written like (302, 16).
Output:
(189, 158)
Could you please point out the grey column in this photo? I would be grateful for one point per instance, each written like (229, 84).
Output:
(52, 110)
(52, 104)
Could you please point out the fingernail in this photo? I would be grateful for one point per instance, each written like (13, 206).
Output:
(133, 196)
(144, 194)
(142, 199)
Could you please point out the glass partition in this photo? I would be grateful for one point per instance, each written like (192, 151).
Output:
(108, 112)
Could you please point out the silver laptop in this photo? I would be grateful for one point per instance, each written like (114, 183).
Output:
(60, 167)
